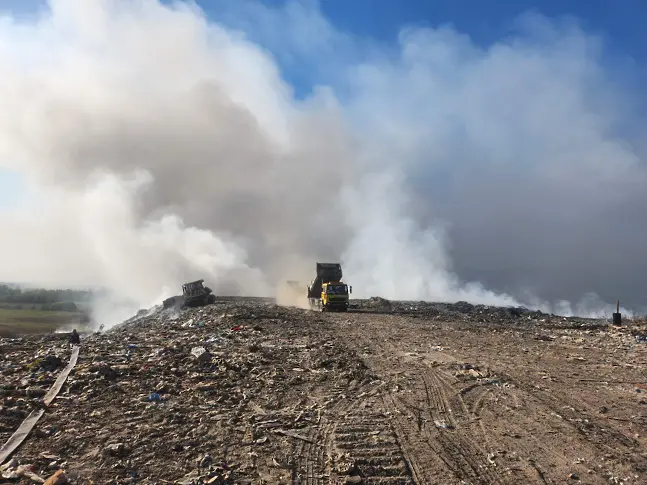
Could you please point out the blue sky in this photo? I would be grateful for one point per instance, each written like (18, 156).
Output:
(11, 189)
(620, 24)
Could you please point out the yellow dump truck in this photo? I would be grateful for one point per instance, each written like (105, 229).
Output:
(335, 296)
(327, 292)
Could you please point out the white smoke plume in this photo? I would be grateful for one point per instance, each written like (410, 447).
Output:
(161, 146)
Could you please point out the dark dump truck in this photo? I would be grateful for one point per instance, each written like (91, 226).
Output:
(327, 291)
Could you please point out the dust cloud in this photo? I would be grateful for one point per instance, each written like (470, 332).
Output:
(292, 293)
(162, 147)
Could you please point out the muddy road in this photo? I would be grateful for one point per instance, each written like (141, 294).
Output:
(402, 395)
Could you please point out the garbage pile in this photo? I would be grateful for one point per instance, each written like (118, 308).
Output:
(27, 371)
(210, 395)
(232, 392)
(378, 304)
(474, 314)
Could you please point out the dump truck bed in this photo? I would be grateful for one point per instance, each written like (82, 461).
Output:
(326, 273)
(329, 272)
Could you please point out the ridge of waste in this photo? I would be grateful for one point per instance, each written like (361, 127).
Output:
(247, 392)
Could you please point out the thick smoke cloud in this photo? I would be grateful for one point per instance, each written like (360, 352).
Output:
(163, 147)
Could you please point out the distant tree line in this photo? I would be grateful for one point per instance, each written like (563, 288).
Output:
(42, 299)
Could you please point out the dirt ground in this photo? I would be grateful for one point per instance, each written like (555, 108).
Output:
(396, 393)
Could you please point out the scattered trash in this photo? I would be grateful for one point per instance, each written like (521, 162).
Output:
(443, 425)
(214, 394)
(201, 354)
(545, 338)
(59, 478)
(378, 303)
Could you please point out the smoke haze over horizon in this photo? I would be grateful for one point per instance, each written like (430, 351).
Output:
(162, 146)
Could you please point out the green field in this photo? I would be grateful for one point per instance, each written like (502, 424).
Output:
(13, 322)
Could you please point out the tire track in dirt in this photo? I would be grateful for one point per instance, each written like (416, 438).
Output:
(423, 466)
(522, 461)
(436, 454)
(315, 454)
(424, 458)
(365, 438)
(454, 432)
(353, 437)
(605, 437)
(464, 451)
(308, 469)
(493, 429)
(472, 400)
(534, 439)
(601, 437)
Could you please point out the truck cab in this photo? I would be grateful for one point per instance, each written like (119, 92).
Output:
(335, 296)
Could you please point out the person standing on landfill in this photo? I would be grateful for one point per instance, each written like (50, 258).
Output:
(74, 339)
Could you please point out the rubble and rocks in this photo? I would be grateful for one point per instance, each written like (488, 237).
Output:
(154, 387)
(378, 303)
(201, 354)
(50, 363)
(475, 314)
(244, 391)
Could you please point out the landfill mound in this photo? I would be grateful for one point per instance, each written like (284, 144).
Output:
(376, 303)
(245, 391)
